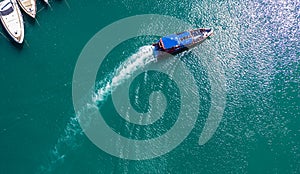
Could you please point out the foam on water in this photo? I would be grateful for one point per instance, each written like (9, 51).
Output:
(253, 114)
(125, 70)
(72, 135)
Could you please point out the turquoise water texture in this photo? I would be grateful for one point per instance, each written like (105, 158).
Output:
(256, 42)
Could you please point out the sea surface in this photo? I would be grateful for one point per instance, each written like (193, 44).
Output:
(256, 43)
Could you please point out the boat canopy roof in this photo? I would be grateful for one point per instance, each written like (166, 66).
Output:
(174, 40)
(6, 9)
(170, 41)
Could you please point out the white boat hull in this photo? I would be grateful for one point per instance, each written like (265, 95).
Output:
(12, 20)
(28, 6)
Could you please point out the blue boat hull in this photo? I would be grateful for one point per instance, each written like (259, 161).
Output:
(176, 43)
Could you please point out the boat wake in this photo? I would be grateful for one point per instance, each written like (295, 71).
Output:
(71, 139)
(135, 62)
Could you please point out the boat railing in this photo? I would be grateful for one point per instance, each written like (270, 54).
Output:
(197, 35)
(197, 32)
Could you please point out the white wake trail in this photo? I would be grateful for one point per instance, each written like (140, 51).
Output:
(125, 70)
(71, 138)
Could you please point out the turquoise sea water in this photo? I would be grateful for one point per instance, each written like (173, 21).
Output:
(257, 44)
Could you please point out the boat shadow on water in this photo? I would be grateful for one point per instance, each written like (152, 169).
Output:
(11, 40)
(28, 20)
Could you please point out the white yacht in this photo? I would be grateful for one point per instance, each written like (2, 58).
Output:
(12, 19)
(28, 6)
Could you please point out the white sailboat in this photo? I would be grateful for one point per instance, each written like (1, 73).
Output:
(28, 6)
(12, 19)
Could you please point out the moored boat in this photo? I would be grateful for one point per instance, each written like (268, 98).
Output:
(47, 2)
(28, 6)
(177, 43)
(12, 19)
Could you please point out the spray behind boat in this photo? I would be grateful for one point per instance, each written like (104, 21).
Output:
(169, 45)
